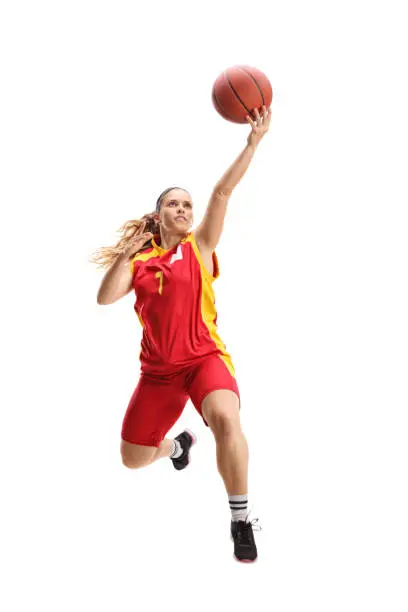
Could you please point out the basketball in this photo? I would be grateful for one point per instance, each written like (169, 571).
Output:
(240, 89)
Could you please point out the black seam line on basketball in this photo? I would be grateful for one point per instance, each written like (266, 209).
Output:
(256, 83)
(221, 106)
(239, 99)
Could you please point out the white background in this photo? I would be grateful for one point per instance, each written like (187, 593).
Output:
(104, 105)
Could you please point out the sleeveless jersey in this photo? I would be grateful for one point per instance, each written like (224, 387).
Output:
(175, 304)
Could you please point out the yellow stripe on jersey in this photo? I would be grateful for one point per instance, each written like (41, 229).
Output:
(208, 310)
(156, 252)
(141, 257)
(210, 277)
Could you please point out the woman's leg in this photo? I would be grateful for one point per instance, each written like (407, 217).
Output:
(221, 411)
(214, 392)
(154, 407)
(136, 455)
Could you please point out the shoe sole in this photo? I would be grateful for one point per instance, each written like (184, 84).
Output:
(245, 560)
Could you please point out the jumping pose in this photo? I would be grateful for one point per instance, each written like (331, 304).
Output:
(172, 269)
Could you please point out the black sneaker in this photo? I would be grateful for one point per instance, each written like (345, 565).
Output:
(186, 439)
(244, 541)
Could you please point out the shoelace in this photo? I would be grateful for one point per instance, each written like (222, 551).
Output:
(254, 525)
(243, 532)
(253, 522)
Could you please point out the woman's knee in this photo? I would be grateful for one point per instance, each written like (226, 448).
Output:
(221, 411)
(136, 455)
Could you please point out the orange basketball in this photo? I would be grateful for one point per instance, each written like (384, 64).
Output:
(240, 89)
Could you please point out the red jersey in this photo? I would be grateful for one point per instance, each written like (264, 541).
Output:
(175, 304)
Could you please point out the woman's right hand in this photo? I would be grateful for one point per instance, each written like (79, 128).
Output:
(137, 242)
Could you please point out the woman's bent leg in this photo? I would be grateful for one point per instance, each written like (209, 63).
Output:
(137, 455)
(154, 408)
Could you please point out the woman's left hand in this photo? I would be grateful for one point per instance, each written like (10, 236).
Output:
(260, 126)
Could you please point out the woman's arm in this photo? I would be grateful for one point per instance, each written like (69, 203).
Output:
(117, 281)
(210, 229)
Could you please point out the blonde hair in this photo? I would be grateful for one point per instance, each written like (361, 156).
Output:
(106, 256)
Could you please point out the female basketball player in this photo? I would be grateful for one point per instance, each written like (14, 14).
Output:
(172, 270)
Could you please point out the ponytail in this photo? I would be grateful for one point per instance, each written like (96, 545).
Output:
(106, 256)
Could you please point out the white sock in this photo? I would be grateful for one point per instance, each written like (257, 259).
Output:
(239, 506)
(177, 450)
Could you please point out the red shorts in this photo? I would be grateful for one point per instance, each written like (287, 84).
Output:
(158, 401)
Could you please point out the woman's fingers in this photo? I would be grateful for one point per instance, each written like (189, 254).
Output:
(141, 228)
(264, 113)
(248, 118)
(140, 238)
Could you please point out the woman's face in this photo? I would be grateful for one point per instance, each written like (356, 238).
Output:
(176, 212)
